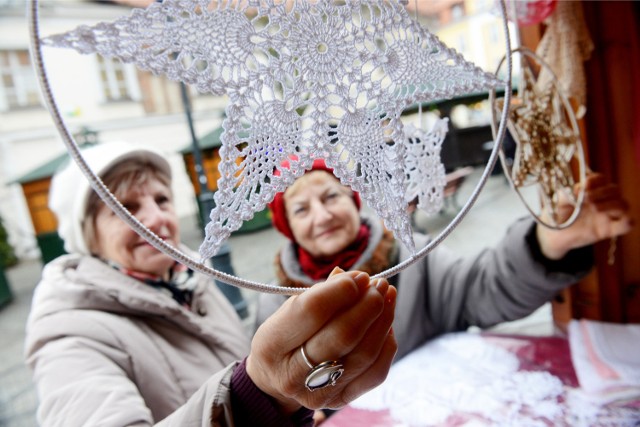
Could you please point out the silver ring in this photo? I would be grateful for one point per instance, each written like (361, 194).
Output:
(323, 374)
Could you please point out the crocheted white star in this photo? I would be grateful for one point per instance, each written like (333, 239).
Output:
(425, 171)
(322, 79)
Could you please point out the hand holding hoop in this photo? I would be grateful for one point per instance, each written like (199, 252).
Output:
(604, 215)
(343, 325)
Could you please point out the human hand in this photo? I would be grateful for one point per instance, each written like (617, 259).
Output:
(319, 417)
(347, 318)
(604, 214)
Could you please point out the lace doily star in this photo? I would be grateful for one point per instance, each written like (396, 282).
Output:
(545, 143)
(322, 79)
(424, 168)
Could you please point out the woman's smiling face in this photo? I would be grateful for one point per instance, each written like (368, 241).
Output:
(322, 214)
(152, 204)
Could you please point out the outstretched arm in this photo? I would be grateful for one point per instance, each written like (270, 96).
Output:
(604, 215)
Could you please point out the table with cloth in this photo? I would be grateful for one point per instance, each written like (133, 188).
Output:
(488, 379)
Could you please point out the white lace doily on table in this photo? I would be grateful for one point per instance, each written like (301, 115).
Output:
(463, 376)
(322, 79)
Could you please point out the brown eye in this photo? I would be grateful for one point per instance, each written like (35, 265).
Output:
(331, 197)
(299, 210)
(131, 207)
(162, 199)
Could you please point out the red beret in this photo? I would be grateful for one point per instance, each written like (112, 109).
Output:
(278, 210)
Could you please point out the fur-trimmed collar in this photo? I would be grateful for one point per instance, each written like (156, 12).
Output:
(379, 255)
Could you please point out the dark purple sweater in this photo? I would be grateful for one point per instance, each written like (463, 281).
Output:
(253, 408)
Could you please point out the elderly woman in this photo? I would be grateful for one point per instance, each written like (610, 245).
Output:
(442, 292)
(120, 334)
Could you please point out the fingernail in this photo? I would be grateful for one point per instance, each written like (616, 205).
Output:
(382, 285)
(361, 279)
(336, 270)
(392, 293)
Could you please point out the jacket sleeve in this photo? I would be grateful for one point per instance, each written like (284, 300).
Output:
(228, 392)
(87, 379)
(82, 382)
(210, 406)
(501, 284)
(79, 383)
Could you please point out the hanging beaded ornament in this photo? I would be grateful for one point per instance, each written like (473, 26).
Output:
(548, 149)
(324, 79)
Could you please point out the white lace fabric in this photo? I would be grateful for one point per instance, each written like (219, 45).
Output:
(566, 45)
(463, 379)
(425, 171)
(315, 79)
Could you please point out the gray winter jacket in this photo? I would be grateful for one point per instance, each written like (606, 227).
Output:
(443, 292)
(108, 350)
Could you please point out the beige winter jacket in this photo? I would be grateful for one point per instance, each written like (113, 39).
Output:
(108, 350)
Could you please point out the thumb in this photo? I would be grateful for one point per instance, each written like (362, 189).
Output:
(336, 270)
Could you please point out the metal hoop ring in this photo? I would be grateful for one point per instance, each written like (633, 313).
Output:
(200, 266)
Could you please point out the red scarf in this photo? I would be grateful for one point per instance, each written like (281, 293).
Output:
(320, 268)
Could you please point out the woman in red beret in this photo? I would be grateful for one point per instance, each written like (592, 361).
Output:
(442, 292)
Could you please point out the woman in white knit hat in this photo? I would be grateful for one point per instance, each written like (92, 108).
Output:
(120, 334)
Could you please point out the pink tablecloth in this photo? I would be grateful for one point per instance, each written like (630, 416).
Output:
(534, 354)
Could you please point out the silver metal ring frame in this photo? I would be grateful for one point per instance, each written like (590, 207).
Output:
(113, 203)
(579, 155)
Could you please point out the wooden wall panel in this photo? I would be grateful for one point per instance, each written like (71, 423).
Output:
(612, 115)
(612, 146)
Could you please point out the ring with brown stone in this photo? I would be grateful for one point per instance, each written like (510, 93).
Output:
(323, 374)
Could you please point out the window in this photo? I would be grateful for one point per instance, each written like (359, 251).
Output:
(115, 79)
(457, 12)
(18, 85)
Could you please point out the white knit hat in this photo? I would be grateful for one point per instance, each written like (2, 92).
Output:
(70, 189)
